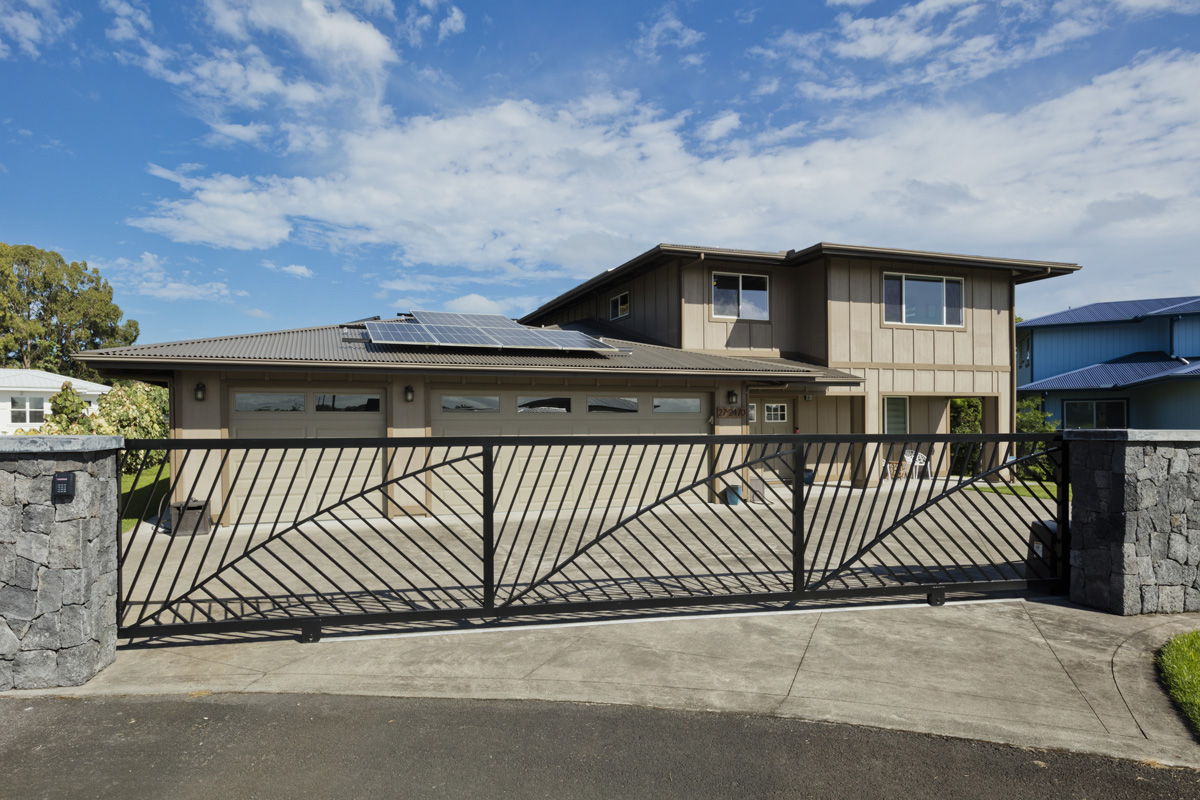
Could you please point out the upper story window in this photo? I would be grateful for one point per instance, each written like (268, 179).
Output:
(922, 300)
(740, 296)
(618, 307)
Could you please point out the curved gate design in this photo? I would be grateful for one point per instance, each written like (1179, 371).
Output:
(244, 535)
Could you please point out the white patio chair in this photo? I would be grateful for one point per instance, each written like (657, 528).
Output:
(918, 461)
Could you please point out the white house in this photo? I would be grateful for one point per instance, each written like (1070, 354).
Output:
(25, 396)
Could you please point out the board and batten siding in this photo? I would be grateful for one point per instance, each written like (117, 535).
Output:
(1187, 337)
(921, 361)
(654, 307)
(1061, 349)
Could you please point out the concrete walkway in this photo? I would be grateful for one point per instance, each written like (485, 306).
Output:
(1035, 673)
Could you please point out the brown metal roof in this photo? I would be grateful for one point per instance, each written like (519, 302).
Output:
(347, 346)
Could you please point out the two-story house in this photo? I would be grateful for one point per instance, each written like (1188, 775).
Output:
(680, 340)
(1125, 364)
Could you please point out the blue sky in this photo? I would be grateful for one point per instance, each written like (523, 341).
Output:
(242, 165)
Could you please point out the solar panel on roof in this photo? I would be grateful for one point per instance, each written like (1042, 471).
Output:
(448, 329)
(393, 333)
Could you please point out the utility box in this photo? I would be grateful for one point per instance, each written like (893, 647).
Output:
(190, 518)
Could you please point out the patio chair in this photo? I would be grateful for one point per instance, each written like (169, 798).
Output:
(918, 461)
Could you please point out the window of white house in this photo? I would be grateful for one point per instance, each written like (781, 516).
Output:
(543, 405)
(922, 300)
(26, 410)
(895, 415)
(752, 413)
(775, 412)
(612, 405)
(347, 402)
(740, 296)
(268, 401)
(1094, 414)
(677, 405)
(618, 306)
(470, 404)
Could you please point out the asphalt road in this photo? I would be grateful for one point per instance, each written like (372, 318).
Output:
(300, 746)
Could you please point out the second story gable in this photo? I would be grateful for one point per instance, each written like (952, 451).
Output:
(835, 305)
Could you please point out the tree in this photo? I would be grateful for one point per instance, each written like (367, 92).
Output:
(53, 310)
(966, 415)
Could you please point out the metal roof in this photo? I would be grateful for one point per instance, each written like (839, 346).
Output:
(1118, 311)
(1128, 370)
(38, 380)
(1026, 270)
(349, 346)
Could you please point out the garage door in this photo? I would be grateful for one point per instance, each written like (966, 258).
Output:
(543, 476)
(316, 478)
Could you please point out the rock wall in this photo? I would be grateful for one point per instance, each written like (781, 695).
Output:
(1135, 520)
(58, 560)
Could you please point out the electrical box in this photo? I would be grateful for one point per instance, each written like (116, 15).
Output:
(63, 486)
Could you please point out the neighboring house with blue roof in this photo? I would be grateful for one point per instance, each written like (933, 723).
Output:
(1126, 364)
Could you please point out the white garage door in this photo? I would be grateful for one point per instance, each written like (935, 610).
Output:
(573, 475)
(295, 482)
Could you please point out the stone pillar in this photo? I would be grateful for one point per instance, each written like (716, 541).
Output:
(58, 560)
(1135, 520)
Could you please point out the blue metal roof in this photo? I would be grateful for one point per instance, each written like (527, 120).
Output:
(1125, 371)
(1118, 311)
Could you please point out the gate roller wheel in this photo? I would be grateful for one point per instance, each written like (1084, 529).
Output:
(310, 633)
(937, 597)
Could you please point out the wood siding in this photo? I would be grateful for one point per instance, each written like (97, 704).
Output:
(1062, 349)
(654, 307)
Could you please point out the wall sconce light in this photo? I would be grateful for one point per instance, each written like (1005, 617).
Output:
(409, 394)
(732, 397)
(200, 392)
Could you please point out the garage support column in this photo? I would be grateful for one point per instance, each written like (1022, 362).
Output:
(407, 419)
(729, 419)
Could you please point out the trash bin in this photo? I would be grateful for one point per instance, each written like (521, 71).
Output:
(809, 476)
(733, 495)
(190, 518)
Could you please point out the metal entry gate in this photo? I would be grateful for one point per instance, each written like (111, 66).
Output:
(422, 529)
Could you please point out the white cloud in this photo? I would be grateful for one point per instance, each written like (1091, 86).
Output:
(149, 276)
(31, 25)
(258, 313)
(720, 126)
(295, 270)
(570, 189)
(667, 30)
(454, 23)
(505, 306)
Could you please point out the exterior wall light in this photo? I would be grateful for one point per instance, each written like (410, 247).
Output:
(732, 397)
(200, 393)
(409, 394)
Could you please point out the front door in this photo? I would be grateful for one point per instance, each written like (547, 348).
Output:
(772, 416)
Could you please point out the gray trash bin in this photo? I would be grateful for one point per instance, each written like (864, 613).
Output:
(190, 518)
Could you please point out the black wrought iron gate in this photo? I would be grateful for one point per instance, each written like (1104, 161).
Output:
(222, 535)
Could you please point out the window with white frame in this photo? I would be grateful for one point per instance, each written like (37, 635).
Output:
(26, 410)
(922, 300)
(752, 413)
(1094, 414)
(775, 412)
(895, 415)
(737, 296)
(618, 307)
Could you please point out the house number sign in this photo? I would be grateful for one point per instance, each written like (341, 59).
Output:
(731, 412)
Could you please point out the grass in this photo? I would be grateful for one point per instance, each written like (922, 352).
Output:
(146, 496)
(1044, 492)
(1179, 667)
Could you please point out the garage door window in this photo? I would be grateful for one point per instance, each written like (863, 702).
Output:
(612, 405)
(268, 401)
(543, 405)
(470, 404)
(348, 402)
(677, 405)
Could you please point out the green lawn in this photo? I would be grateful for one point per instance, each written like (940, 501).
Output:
(1049, 492)
(1179, 668)
(147, 495)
